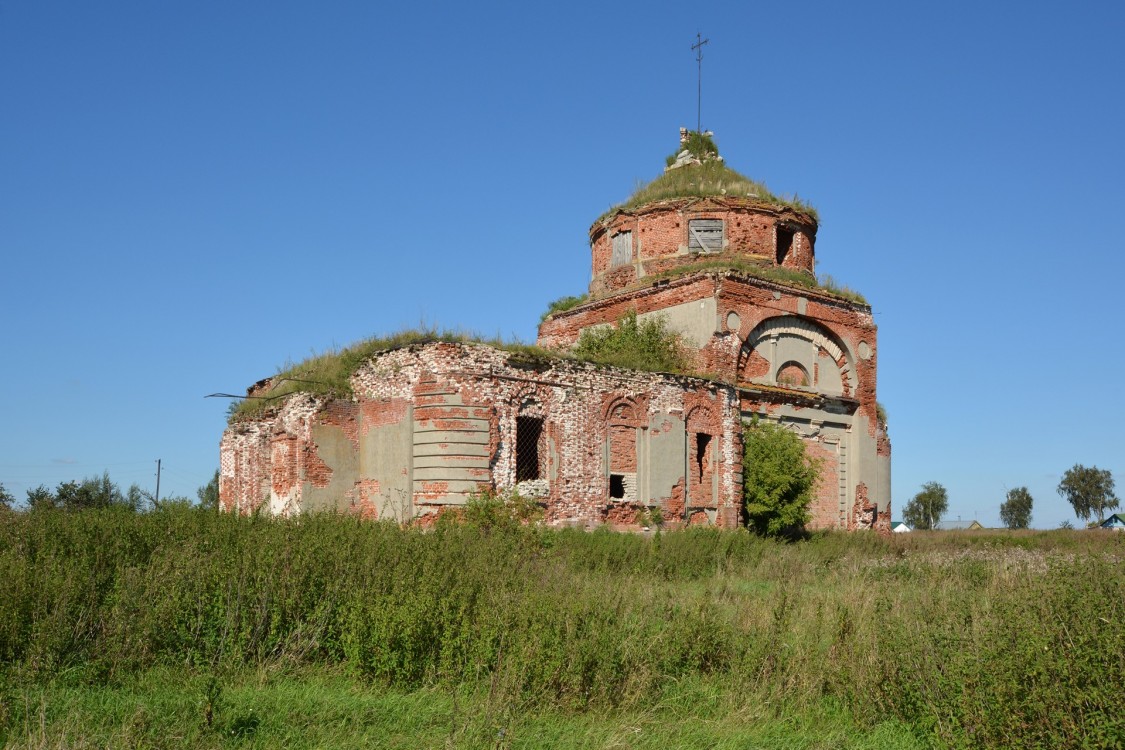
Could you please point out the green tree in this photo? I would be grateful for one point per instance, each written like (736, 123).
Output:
(924, 511)
(642, 345)
(208, 494)
(779, 479)
(1089, 491)
(1015, 511)
(41, 498)
(92, 492)
(138, 499)
(6, 498)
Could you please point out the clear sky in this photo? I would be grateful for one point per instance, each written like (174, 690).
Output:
(194, 194)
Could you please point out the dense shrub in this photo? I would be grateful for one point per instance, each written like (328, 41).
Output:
(779, 479)
(638, 344)
(997, 639)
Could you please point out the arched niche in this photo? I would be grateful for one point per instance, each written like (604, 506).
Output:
(795, 352)
(622, 433)
(704, 433)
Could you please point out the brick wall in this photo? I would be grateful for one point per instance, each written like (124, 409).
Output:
(596, 422)
(660, 237)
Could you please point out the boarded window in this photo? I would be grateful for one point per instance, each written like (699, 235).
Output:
(622, 249)
(705, 235)
(784, 244)
(528, 432)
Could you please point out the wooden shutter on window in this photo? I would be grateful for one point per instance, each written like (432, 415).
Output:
(622, 249)
(705, 235)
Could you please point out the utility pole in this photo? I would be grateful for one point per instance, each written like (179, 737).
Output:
(698, 49)
(157, 500)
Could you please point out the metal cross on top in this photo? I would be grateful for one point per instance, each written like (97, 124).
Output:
(698, 49)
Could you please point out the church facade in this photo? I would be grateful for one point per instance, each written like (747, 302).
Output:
(730, 269)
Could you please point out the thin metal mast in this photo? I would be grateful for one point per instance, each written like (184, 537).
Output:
(698, 49)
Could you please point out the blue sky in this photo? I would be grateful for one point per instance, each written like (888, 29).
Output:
(193, 194)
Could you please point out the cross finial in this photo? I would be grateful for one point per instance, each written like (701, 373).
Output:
(698, 49)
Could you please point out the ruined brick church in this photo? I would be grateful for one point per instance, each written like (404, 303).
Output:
(726, 265)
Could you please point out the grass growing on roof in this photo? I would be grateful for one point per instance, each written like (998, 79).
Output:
(638, 345)
(562, 304)
(712, 178)
(329, 374)
(699, 145)
(645, 346)
(824, 284)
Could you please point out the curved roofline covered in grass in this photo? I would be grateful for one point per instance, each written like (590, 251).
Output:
(705, 175)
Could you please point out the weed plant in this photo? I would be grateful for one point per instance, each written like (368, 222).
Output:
(636, 344)
(712, 178)
(562, 304)
(992, 640)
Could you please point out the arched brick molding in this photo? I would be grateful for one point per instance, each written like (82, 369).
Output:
(778, 344)
(704, 437)
(529, 436)
(623, 427)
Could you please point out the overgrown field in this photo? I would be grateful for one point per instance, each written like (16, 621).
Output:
(183, 628)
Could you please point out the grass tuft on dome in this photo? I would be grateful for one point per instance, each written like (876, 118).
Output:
(709, 179)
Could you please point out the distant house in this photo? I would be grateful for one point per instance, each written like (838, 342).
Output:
(1115, 522)
(898, 527)
(960, 526)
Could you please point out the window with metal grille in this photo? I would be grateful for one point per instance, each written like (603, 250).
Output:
(528, 432)
(705, 235)
(622, 249)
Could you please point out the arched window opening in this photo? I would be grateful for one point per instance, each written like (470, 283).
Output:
(702, 455)
(622, 434)
(529, 431)
(793, 373)
(784, 243)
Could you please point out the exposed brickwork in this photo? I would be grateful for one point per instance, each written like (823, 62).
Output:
(366, 504)
(675, 507)
(590, 414)
(883, 446)
(864, 512)
(247, 451)
(846, 328)
(431, 425)
(660, 237)
(382, 413)
(341, 414)
(824, 510)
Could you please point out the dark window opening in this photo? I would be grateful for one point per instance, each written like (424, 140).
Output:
(784, 243)
(702, 442)
(617, 486)
(528, 432)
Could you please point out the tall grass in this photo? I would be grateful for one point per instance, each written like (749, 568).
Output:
(1002, 639)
